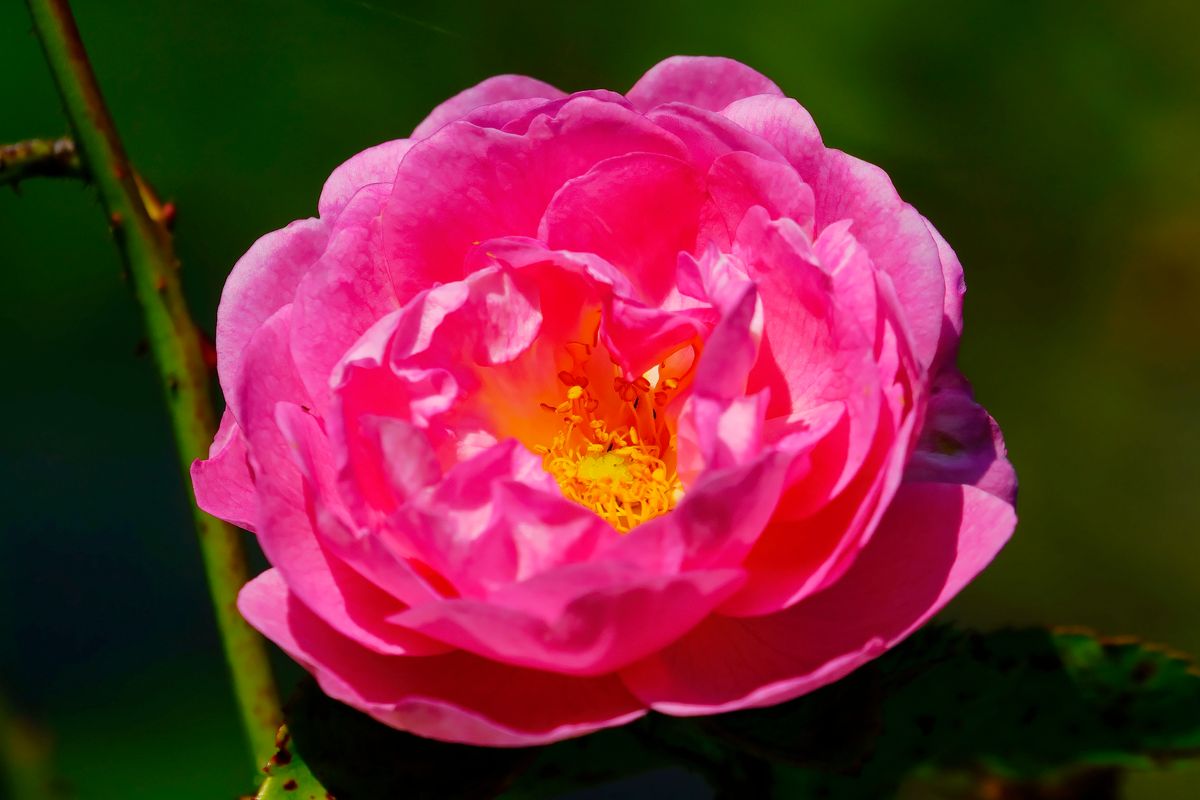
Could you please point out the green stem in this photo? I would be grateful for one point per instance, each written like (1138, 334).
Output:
(39, 158)
(148, 253)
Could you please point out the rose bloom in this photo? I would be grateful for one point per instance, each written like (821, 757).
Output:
(569, 407)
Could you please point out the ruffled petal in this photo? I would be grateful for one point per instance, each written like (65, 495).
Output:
(286, 532)
(455, 697)
(498, 518)
(581, 619)
(716, 522)
(933, 541)
(893, 233)
(817, 533)
(896, 236)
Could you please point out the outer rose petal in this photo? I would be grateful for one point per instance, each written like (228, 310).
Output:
(952, 310)
(785, 124)
(493, 90)
(707, 82)
(344, 293)
(222, 482)
(708, 135)
(263, 281)
(933, 541)
(455, 697)
(339, 594)
(895, 235)
(375, 165)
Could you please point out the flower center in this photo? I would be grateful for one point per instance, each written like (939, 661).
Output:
(618, 461)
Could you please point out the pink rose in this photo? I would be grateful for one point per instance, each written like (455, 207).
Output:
(568, 407)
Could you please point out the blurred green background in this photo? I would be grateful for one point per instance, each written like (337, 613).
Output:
(1056, 145)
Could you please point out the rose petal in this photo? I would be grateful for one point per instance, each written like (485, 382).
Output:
(222, 482)
(636, 211)
(285, 530)
(263, 281)
(581, 619)
(375, 166)
(493, 90)
(933, 541)
(455, 697)
(708, 135)
(785, 124)
(952, 311)
(499, 518)
(466, 184)
(342, 295)
(738, 181)
(706, 82)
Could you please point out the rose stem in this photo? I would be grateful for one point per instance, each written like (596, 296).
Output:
(147, 251)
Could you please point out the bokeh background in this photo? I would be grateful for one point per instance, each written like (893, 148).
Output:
(1056, 145)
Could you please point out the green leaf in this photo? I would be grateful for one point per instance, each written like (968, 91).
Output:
(1022, 706)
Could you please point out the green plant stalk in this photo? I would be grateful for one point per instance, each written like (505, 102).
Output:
(39, 158)
(149, 256)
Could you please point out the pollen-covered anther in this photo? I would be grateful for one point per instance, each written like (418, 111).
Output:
(617, 461)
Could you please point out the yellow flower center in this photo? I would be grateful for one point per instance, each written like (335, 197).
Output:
(619, 462)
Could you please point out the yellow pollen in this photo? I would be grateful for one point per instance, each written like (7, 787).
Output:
(616, 461)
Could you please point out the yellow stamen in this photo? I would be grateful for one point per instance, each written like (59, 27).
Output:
(623, 471)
